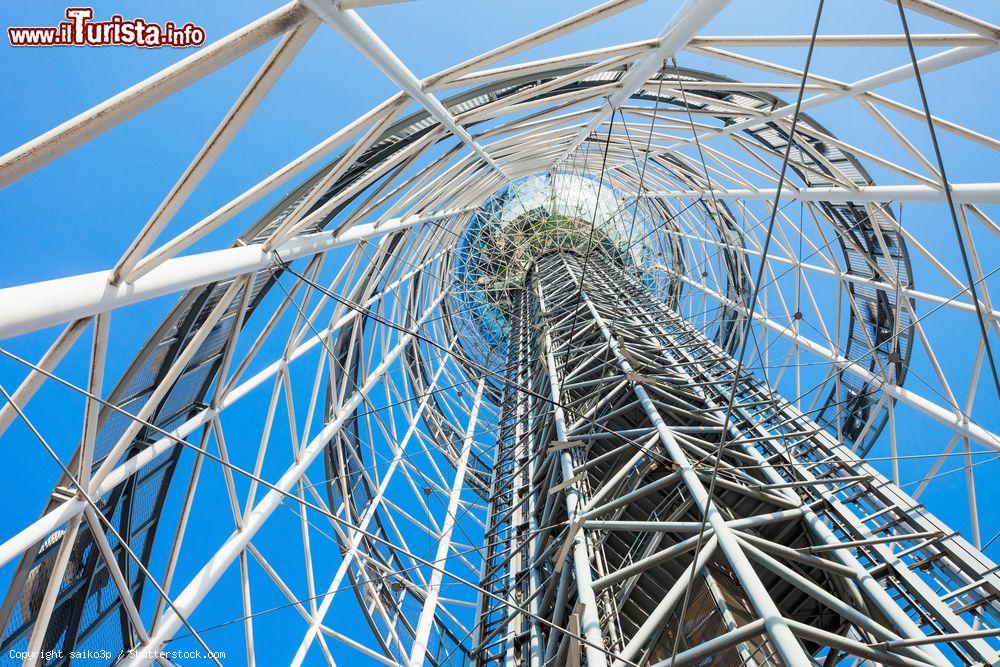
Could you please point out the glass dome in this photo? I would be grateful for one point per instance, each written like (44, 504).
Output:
(531, 217)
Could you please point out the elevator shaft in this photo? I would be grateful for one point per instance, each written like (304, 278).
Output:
(620, 468)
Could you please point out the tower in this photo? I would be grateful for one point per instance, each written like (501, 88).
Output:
(612, 357)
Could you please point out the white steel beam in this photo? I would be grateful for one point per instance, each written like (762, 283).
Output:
(781, 636)
(255, 92)
(426, 620)
(358, 34)
(35, 378)
(589, 616)
(929, 64)
(546, 34)
(953, 17)
(98, 119)
(370, 511)
(937, 39)
(962, 193)
(199, 586)
(36, 306)
(959, 423)
(689, 19)
(58, 515)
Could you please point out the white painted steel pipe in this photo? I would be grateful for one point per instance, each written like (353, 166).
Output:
(98, 119)
(962, 193)
(686, 23)
(425, 622)
(58, 515)
(35, 306)
(960, 425)
(881, 80)
(199, 586)
(358, 34)
(781, 636)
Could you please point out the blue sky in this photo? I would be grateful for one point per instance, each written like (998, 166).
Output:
(78, 214)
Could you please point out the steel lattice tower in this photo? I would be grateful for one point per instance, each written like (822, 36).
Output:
(616, 445)
(679, 351)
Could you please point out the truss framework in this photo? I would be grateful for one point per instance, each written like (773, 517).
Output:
(646, 396)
